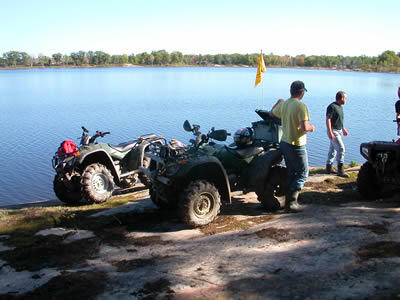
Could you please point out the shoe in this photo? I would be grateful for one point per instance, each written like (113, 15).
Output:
(341, 172)
(291, 204)
(328, 169)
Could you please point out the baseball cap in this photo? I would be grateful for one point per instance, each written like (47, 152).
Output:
(297, 85)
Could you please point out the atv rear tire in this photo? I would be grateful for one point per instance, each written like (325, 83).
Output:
(199, 203)
(97, 183)
(69, 195)
(368, 184)
(272, 195)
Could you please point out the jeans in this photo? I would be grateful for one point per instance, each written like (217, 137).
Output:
(296, 160)
(336, 147)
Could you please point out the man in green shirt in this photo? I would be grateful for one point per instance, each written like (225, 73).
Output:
(295, 117)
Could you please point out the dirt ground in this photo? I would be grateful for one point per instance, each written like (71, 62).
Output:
(340, 247)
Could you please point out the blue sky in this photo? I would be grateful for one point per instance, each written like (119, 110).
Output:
(341, 27)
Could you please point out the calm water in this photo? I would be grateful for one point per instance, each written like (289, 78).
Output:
(40, 108)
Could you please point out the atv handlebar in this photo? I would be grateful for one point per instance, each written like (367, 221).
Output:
(101, 133)
(86, 139)
(98, 134)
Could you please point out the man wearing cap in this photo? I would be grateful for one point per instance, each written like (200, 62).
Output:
(295, 117)
(334, 125)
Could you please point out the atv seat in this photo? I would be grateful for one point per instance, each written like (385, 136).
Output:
(123, 147)
(245, 152)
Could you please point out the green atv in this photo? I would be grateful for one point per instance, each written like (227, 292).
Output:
(91, 171)
(194, 179)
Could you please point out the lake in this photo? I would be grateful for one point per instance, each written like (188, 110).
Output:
(42, 107)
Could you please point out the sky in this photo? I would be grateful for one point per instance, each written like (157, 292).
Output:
(312, 27)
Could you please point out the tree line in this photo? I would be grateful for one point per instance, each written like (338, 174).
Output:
(388, 61)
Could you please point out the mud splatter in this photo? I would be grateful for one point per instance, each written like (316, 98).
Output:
(279, 235)
(157, 289)
(377, 228)
(379, 250)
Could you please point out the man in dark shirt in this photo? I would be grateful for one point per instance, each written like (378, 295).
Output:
(334, 125)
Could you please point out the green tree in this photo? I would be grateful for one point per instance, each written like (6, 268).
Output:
(149, 59)
(57, 58)
(90, 56)
(176, 57)
(131, 58)
(124, 59)
(387, 58)
(44, 60)
(11, 57)
(78, 58)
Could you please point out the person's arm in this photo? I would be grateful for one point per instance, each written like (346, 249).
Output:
(277, 102)
(329, 127)
(345, 132)
(305, 126)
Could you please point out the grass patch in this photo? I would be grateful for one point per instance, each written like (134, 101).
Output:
(33, 219)
(353, 164)
(331, 191)
(225, 223)
(320, 171)
(316, 171)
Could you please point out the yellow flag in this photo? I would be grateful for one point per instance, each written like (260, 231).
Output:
(260, 70)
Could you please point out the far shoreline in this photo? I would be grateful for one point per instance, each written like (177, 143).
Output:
(187, 66)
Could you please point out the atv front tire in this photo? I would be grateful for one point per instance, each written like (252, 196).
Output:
(97, 183)
(368, 184)
(199, 203)
(272, 195)
(69, 195)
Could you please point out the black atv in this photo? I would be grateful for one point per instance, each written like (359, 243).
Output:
(381, 168)
(196, 178)
(91, 171)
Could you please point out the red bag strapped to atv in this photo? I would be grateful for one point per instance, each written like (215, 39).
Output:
(67, 147)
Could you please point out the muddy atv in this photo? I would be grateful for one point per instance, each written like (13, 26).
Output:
(197, 179)
(91, 171)
(381, 168)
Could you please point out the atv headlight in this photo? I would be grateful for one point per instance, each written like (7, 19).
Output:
(364, 151)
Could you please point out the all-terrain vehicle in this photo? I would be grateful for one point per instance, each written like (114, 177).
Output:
(381, 168)
(91, 171)
(195, 178)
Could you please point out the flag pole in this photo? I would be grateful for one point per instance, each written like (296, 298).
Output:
(262, 89)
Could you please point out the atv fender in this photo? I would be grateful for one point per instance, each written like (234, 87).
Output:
(205, 168)
(257, 172)
(99, 156)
